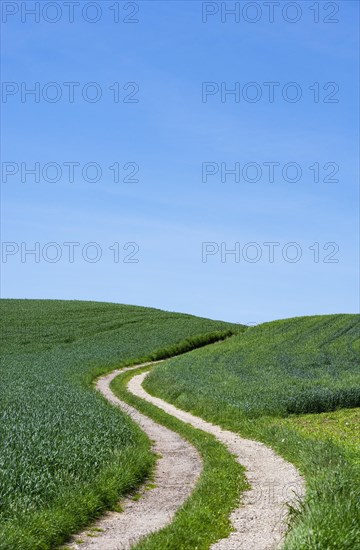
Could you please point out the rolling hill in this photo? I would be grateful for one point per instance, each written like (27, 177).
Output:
(66, 454)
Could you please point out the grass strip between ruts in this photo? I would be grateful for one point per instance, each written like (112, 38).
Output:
(204, 517)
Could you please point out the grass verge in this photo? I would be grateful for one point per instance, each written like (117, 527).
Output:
(329, 517)
(76, 506)
(204, 518)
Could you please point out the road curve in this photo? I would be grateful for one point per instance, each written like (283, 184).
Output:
(177, 470)
(260, 520)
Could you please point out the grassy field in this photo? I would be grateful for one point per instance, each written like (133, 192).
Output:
(66, 454)
(260, 384)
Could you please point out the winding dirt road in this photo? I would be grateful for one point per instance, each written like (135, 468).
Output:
(177, 470)
(259, 522)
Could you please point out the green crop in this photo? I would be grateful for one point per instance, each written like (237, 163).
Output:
(300, 365)
(65, 453)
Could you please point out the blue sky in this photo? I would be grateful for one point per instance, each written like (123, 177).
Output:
(168, 134)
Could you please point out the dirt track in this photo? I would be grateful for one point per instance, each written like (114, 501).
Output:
(259, 522)
(177, 470)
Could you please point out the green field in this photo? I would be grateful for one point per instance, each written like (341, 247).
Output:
(66, 454)
(260, 384)
(301, 365)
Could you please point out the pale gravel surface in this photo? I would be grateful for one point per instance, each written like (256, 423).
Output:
(260, 520)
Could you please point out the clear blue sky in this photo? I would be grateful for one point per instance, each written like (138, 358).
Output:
(169, 133)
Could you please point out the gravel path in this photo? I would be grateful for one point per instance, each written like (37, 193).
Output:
(176, 474)
(259, 522)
